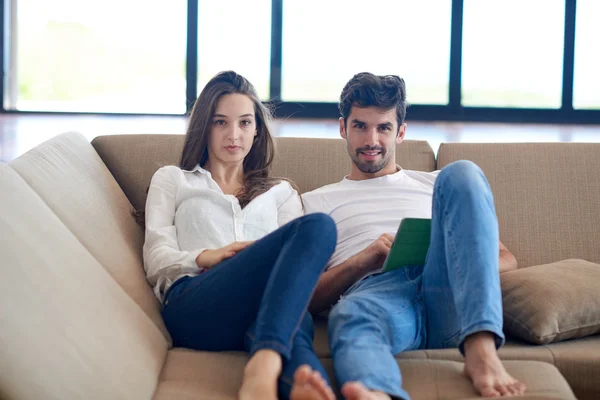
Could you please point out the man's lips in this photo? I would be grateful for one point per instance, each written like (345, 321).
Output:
(369, 154)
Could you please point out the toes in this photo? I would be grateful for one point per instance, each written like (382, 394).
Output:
(518, 388)
(321, 385)
(302, 375)
(488, 391)
(502, 389)
(352, 390)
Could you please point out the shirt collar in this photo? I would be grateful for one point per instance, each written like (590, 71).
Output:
(198, 168)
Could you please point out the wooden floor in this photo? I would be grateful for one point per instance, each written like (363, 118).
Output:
(21, 132)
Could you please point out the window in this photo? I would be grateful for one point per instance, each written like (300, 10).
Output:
(513, 53)
(110, 56)
(235, 35)
(586, 89)
(326, 42)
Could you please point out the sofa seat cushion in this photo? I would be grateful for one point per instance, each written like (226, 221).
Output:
(203, 375)
(552, 302)
(577, 360)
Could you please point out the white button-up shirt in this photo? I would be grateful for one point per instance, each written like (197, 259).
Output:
(187, 213)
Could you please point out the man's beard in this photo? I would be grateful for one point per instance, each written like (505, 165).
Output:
(370, 167)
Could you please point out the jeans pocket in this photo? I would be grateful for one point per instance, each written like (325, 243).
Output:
(175, 288)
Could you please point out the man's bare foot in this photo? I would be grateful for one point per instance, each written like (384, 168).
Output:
(485, 369)
(310, 385)
(358, 391)
(260, 376)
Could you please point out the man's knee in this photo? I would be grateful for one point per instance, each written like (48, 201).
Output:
(353, 320)
(462, 175)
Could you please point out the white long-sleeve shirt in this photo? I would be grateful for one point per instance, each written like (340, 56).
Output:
(187, 213)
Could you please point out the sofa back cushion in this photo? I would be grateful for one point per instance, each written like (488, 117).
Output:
(68, 175)
(309, 162)
(68, 330)
(547, 196)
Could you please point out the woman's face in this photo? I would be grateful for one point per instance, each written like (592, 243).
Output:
(233, 128)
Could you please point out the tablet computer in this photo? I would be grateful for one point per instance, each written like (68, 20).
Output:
(410, 244)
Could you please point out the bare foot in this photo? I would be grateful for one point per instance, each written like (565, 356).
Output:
(358, 391)
(310, 385)
(260, 376)
(485, 369)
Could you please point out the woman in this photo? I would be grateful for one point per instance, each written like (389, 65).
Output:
(227, 249)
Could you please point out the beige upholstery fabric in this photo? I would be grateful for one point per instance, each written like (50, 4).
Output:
(579, 362)
(553, 302)
(203, 375)
(310, 163)
(547, 196)
(70, 177)
(567, 356)
(443, 380)
(68, 330)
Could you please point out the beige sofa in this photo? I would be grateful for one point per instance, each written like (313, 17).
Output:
(79, 321)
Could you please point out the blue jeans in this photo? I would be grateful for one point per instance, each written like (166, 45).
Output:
(454, 295)
(258, 298)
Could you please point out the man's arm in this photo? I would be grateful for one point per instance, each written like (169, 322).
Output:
(508, 262)
(333, 283)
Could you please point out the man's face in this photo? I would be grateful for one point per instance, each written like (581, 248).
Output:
(371, 135)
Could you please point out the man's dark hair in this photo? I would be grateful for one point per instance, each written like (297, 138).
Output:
(368, 90)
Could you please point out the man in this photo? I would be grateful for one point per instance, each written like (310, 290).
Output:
(454, 300)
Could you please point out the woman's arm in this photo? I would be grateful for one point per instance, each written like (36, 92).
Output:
(161, 250)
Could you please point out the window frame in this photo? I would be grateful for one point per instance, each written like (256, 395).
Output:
(453, 111)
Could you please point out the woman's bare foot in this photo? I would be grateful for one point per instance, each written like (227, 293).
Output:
(310, 385)
(358, 391)
(485, 369)
(260, 376)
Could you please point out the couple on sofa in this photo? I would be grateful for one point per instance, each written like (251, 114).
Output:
(239, 260)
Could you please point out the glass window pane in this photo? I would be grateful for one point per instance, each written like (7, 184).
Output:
(326, 42)
(110, 56)
(586, 89)
(235, 35)
(513, 53)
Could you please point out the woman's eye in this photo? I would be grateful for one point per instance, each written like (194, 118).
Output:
(219, 122)
(245, 122)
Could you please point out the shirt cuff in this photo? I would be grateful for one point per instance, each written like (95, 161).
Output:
(190, 259)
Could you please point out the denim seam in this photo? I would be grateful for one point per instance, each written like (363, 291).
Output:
(295, 330)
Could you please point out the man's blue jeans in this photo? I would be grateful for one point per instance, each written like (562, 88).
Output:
(454, 295)
(258, 298)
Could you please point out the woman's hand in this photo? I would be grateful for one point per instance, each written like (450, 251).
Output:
(210, 258)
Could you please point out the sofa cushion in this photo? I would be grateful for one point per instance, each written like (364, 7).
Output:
(312, 163)
(434, 379)
(68, 330)
(202, 375)
(70, 177)
(309, 162)
(553, 302)
(546, 196)
(579, 362)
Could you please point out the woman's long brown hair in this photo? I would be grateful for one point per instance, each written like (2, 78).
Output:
(257, 163)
